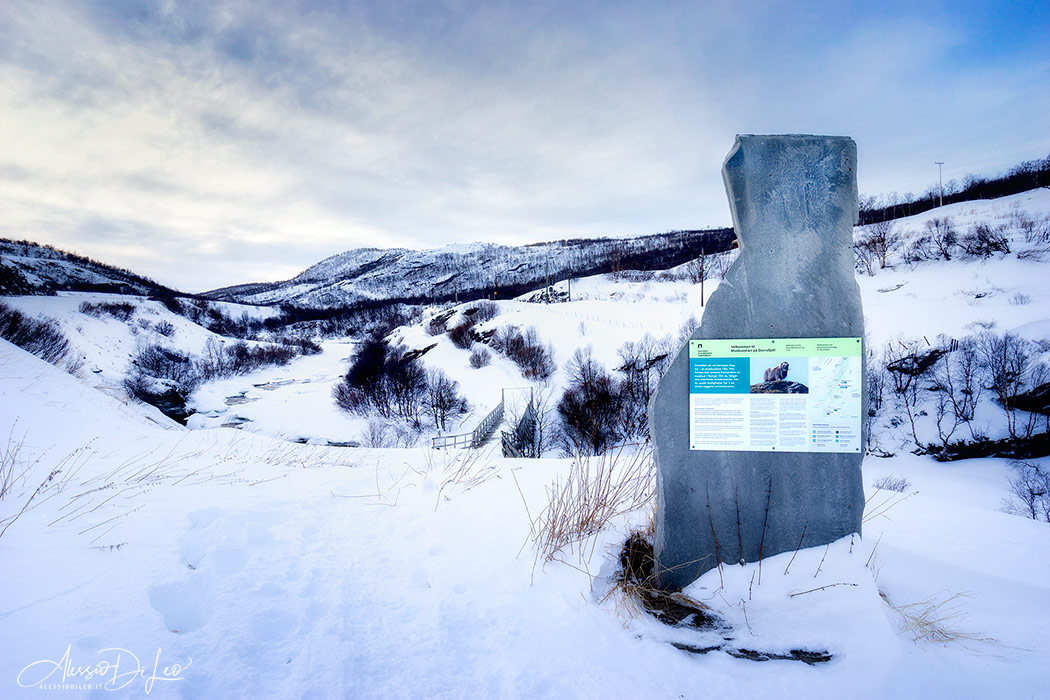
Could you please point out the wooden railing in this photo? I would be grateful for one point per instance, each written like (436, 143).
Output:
(461, 440)
(474, 439)
(488, 426)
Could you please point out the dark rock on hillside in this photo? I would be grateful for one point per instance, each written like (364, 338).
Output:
(1035, 401)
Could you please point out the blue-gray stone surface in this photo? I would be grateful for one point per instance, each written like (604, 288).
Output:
(794, 203)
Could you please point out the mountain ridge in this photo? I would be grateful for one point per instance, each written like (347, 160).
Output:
(476, 270)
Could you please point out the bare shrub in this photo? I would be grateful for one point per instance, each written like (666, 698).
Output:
(643, 363)
(874, 245)
(122, 311)
(591, 407)
(40, 337)
(436, 325)
(957, 379)
(907, 364)
(225, 360)
(161, 363)
(443, 400)
(1033, 230)
(721, 262)
(463, 335)
(382, 433)
(900, 484)
(876, 394)
(480, 357)
(983, 241)
(921, 249)
(350, 399)
(482, 311)
(698, 269)
(1039, 253)
(863, 260)
(1030, 488)
(685, 331)
(301, 344)
(388, 380)
(526, 350)
(1020, 299)
(1011, 367)
(943, 236)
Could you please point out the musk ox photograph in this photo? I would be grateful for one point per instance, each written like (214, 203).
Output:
(779, 375)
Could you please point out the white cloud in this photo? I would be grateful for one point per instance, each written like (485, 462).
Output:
(234, 142)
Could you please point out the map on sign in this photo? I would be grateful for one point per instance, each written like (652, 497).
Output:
(775, 394)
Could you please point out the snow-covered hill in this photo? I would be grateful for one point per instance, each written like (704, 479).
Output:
(30, 268)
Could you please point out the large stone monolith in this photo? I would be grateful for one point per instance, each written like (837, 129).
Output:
(794, 203)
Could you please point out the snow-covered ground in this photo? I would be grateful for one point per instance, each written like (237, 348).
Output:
(209, 563)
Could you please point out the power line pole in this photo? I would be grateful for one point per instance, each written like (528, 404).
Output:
(940, 187)
(547, 279)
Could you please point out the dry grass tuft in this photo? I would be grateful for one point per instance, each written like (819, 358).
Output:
(12, 468)
(469, 468)
(935, 619)
(596, 490)
(874, 510)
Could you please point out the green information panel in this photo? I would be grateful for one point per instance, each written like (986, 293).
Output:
(775, 394)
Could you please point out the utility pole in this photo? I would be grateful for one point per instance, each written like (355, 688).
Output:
(547, 279)
(703, 274)
(940, 187)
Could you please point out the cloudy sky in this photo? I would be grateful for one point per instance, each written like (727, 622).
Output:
(212, 143)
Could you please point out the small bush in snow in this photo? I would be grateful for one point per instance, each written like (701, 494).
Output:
(984, 241)
(1034, 231)
(591, 409)
(907, 365)
(122, 311)
(642, 364)
(533, 358)
(900, 484)
(1020, 299)
(301, 344)
(943, 236)
(443, 401)
(463, 335)
(155, 362)
(480, 357)
(921, 249)
(437, 325)
(383, 379)
(1030, 488)
(482, 311)
(875, 244)
(1011, 368)
(40, 337)
(380, 433)
(165, 329)
(958, 383)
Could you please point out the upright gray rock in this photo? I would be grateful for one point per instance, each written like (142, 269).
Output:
(794, 203)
